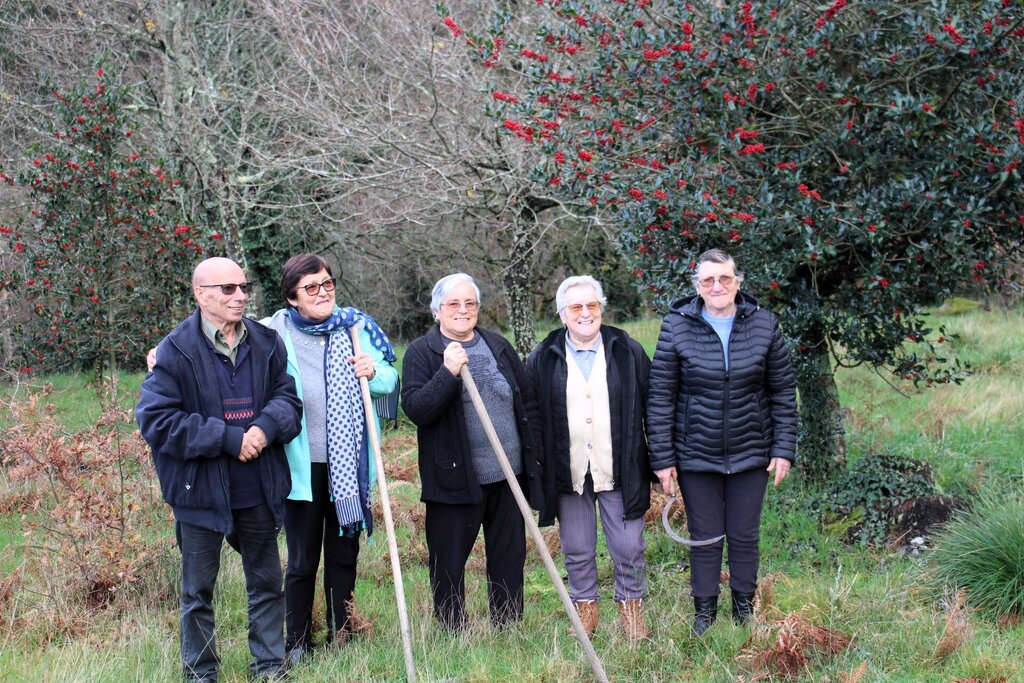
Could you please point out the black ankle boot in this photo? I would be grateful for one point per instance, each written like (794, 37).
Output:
(742, 607)
(705, 610)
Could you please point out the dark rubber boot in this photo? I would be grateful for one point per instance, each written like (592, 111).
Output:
(742, 607)
(705, 610)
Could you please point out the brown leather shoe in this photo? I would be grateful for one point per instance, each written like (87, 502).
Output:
(589, 615)
(631, 615)
(358, 625)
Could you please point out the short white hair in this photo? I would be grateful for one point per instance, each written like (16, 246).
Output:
(578, 281)
(715, 256)
(444, 287)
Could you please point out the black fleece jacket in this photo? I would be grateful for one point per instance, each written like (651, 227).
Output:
(704, 418)
(432, 399)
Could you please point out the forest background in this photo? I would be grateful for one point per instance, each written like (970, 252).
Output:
(860, 158)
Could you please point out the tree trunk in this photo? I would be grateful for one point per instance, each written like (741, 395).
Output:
(822, 445)
(518, 275)
(6, 341)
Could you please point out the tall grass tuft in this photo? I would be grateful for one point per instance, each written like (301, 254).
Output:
(981, 551)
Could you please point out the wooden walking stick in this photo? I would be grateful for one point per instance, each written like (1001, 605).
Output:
(538, 540)
(389, 523)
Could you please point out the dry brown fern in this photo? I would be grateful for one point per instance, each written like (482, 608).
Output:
(856, 676)
(782, 647)
(957, 630)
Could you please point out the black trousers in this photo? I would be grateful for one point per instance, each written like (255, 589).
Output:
(308, 526)
(452, 530)
(727, 504)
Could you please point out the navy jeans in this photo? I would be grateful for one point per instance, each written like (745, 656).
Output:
(727, 504)
(200, 564)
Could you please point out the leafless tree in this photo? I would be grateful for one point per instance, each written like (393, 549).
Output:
(389, 122)
(351, 128)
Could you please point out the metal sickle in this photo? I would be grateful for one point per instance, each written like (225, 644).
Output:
(676, 537)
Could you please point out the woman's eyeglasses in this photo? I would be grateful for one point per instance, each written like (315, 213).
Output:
(229, 289)
(328, 285)
(576, 309)
(453, 306)
(709, 282)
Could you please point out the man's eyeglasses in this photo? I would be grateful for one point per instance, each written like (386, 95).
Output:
(576, 309)
(328, 285)
(453, 306)
(709, 282)
(229, 289)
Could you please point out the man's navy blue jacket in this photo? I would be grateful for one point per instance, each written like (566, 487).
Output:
(181, 418)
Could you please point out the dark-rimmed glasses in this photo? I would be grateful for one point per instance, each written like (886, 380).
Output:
(314, 288)
(229, 289)
(576, 309)
(709, 282)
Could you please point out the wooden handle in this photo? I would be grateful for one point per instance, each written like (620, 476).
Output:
(385, 501)
(538, 540)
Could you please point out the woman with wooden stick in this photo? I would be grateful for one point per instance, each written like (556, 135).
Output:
(331, 467)
(464, 486)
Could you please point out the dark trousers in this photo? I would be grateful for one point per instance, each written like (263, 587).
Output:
(451, 531)
(727, 504)
(308, 527)
(200, 564)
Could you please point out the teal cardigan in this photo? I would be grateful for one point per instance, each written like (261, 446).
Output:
(383, 383)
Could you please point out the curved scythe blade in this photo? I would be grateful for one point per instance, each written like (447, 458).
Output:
(676, 537)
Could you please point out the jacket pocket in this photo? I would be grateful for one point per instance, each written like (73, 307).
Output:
(451, 474)
(765, 415)
(684, 419)
(202, 485)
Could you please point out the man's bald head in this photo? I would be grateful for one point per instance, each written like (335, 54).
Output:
(208, 279)
(209, 272)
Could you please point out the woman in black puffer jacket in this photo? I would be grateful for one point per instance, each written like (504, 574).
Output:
(721, 415)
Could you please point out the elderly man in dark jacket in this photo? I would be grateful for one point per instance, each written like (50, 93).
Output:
(216, 411)
(592, 380)
(721, 417)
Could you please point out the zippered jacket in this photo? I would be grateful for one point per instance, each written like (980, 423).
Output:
(704, 418)
(384, 380)
(181, 418)
(627, 368)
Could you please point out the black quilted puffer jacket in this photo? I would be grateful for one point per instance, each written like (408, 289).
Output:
(704, 418)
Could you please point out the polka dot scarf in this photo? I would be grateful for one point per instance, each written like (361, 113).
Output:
(347, 457)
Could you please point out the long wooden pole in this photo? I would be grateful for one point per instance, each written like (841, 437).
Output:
(538, 540)
(389, 522)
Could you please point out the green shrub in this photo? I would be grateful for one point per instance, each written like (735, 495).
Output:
(864, 502)
(982, 552)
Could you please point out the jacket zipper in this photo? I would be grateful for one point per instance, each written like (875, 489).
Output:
(725, 397)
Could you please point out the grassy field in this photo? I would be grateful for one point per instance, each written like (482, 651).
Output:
(880, 597)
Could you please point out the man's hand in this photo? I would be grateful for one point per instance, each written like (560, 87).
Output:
(253, 443)
(151, 359)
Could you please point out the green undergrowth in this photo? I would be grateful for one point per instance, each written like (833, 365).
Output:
(886, 600)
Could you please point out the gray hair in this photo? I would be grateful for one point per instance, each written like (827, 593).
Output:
(578, 281)
(444, 287)
(715, 256)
